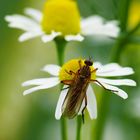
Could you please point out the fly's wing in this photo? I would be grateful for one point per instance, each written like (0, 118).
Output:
(73, 100)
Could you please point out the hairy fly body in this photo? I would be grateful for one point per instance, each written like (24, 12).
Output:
(77, 90)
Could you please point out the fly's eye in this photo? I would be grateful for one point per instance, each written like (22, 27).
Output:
(88, 62)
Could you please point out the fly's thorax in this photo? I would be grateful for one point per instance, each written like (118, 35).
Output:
(85, 72)
(74, 66)
(61, 16)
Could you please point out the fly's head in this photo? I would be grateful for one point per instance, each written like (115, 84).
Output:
(88, 62)
(85, 71)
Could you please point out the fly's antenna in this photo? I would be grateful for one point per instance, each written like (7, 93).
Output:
(90, 58)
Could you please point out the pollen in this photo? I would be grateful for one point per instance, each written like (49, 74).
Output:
(61, 16)
(73, 65)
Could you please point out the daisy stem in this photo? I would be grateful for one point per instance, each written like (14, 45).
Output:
(63, 129)
(79, 125)
(60, 46)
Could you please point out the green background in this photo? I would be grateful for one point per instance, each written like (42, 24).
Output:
(32, 117)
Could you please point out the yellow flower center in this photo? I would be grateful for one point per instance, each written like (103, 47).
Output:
(61, 16)
(134, 17)
(73, 65)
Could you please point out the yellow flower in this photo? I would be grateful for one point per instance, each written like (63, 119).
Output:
(58, 13)
(134, 14)
(73, 65)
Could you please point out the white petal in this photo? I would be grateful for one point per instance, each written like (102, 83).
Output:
(44, 86)
(109, 67)
(113, 69)
(118, 82)
(52, 69)
(58, 111)
(29, 35)
(50, 37)
(41, 81)
(97, 65)
(115, 90)
(91, 103)
(95, 25)
(35, 14)
(74, 37)
(116, 72)
(23, 23)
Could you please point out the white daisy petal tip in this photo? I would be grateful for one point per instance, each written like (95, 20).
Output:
(134, 83)
(40, 84)
(114, 89)
(122, 95)
(34, 13)
(125, 96)
(94, 116)
(118, 82)
(91, 103)
(58, 116)
(25, 93)
(23, 84)
(52, 69)
(58, 111)
(28, 91)
(40, 81)
(96, 25)
(23, 37)
(7, 18)
(114, 69)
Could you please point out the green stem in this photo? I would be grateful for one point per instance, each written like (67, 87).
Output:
(116, 53)
(63, 128)
(60, 46)
(79, 125)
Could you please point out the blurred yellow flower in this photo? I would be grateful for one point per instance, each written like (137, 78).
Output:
(54, 17)
(61, 18)
(134, 14)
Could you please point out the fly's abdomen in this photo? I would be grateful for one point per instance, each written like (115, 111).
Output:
(74, 99)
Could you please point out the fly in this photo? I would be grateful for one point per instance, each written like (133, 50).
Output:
(77, 90)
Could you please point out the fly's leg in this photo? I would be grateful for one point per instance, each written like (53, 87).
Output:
(83, 119)
(67, 82)
(65, 88)
(70, 72)
(80, 64)
(90, 58)
(94, 70)
(103, 86)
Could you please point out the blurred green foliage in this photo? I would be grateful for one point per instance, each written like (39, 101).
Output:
(32, 117)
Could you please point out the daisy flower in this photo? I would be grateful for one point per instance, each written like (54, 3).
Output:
(60, 18)
(66, 74)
